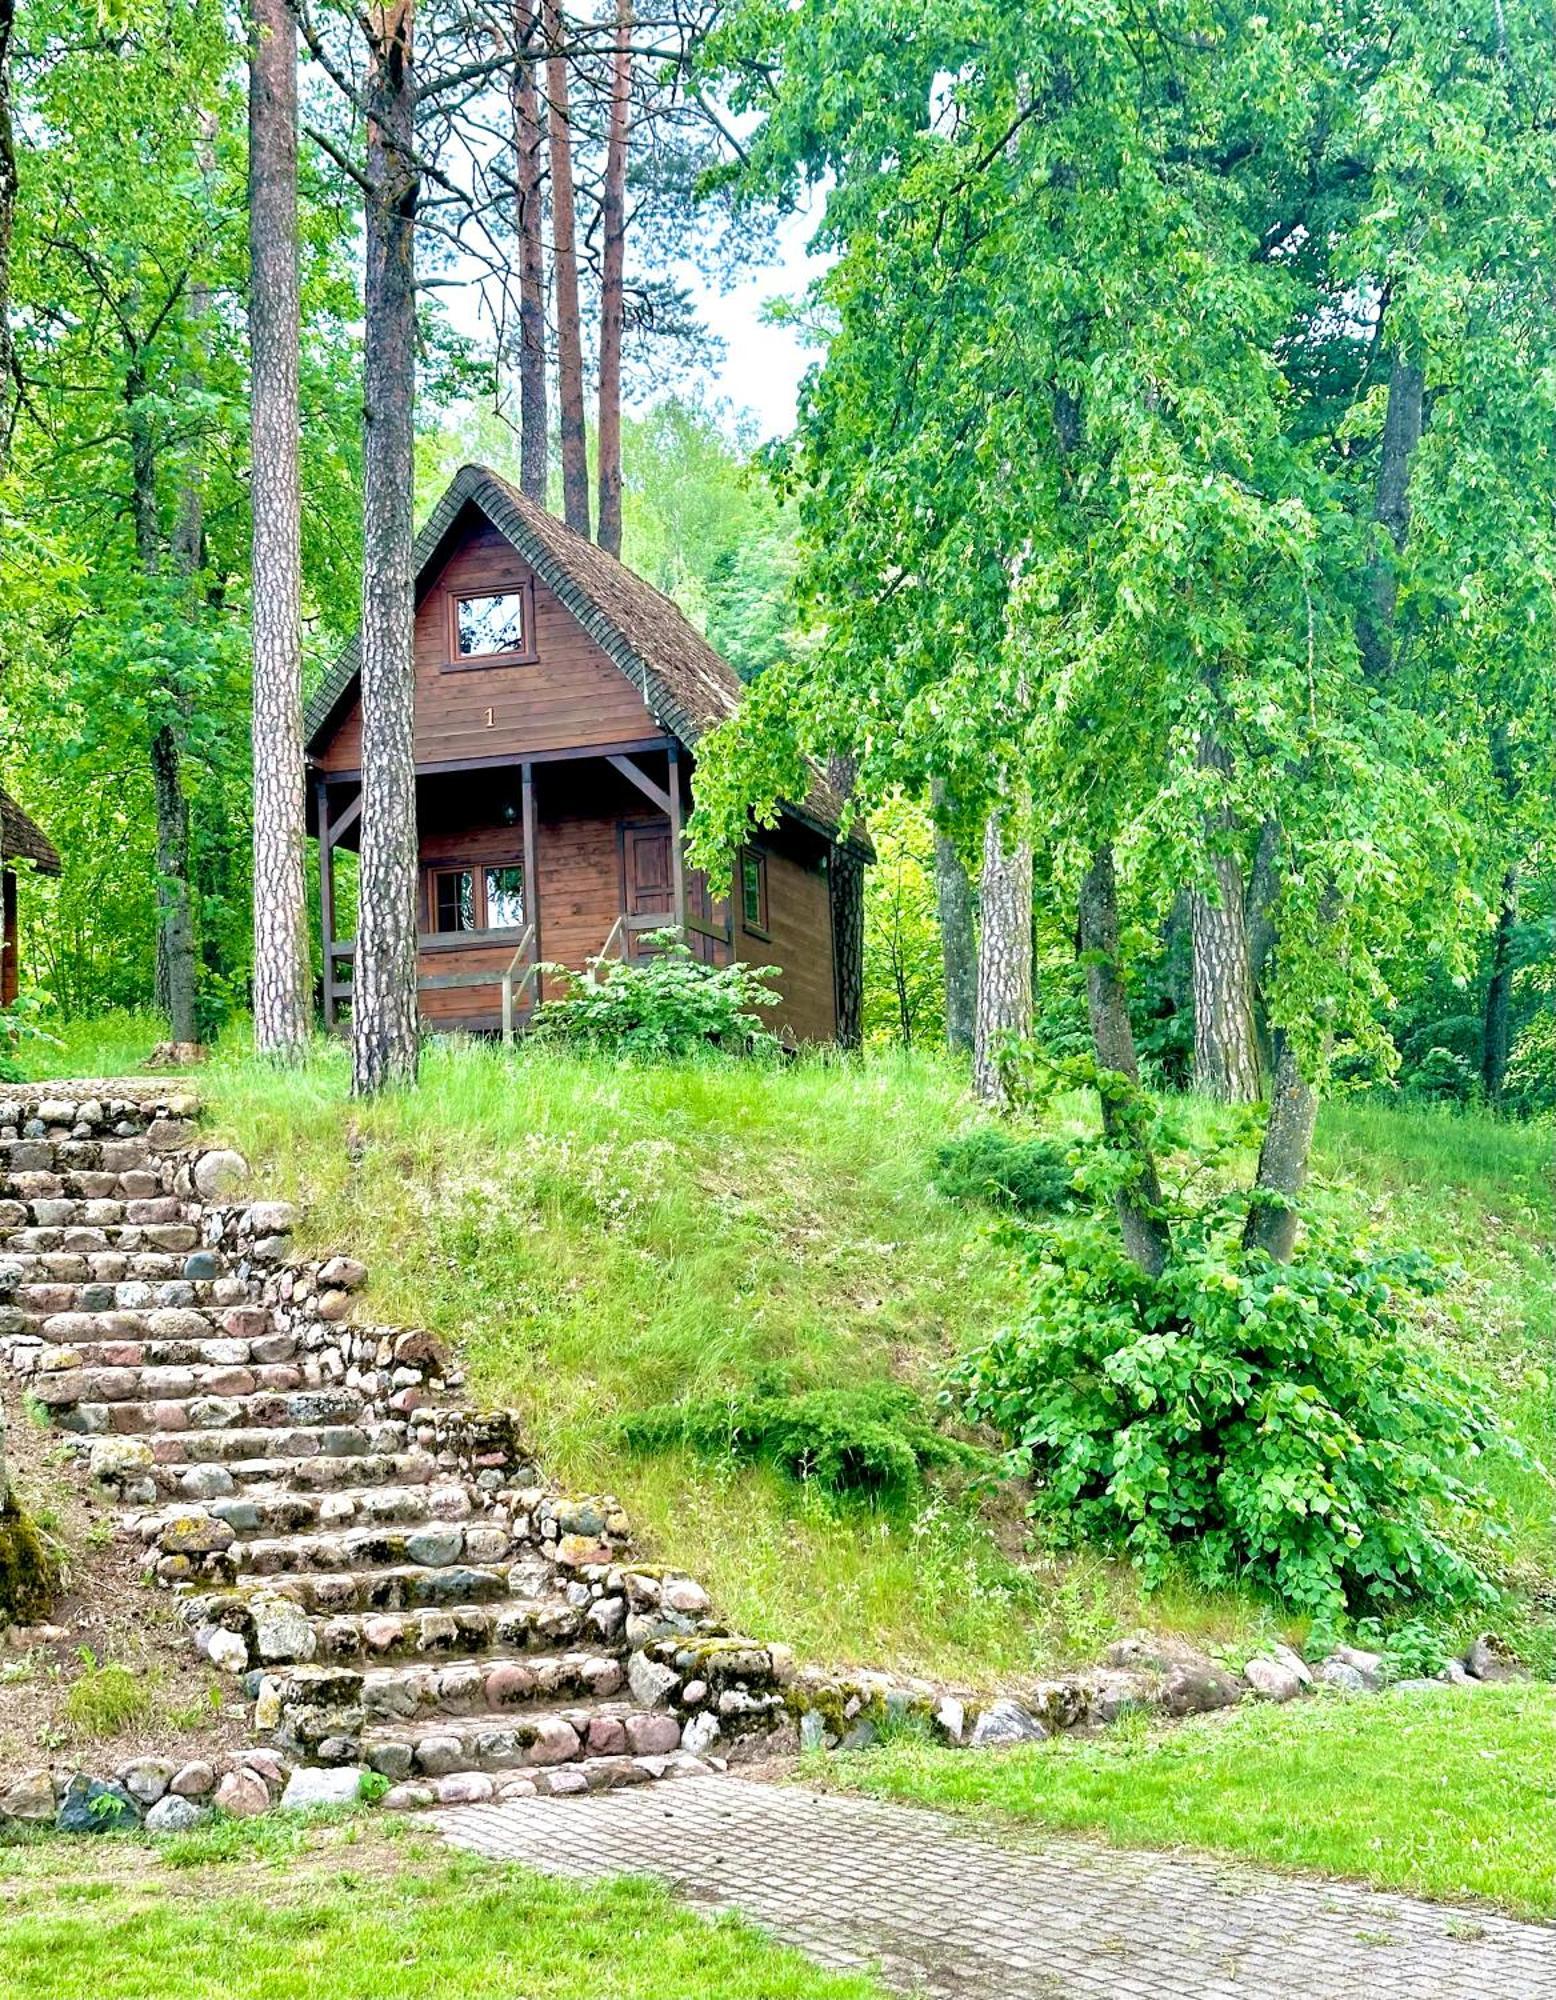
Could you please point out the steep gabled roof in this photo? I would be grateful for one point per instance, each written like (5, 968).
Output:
(22, 839)
(684, 682)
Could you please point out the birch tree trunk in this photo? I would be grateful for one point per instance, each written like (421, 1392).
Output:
(1004, 1006)
(1226, 1043)
(1137, 1203)
(383, 1001)
(280, 895)
(534, 443)
(564, 257)
(958, 941)
(612, 282)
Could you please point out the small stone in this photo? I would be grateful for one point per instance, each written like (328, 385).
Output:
(1489, 1660)
(438, 1755)
(700, 1734)
(464, 1788)
(1006, 1722)
(339, 1787)
(227, 1652)
(30, 1799)
(207, 1482)
(114, 1458)
(555, 1742)
(194, 1535)
(508, 1684)
(436, 1546)
(272, 1218)
(148, 1778)
(653, 1735)
(90, 1807)
(343, 1274)
(1198, 1690)
(681, 1594)
(1273, 1680)
(562, 1784)
(193, 1781)
(950, 1719)
(1371, 1666)
(649, 1681)
(694, 1692)
(408, 1798)
(244, 1794)
(281, 1630)
(175, 1814)
(218, 1173)
(200, 1266)
(1338, 1673)
(607, 1737)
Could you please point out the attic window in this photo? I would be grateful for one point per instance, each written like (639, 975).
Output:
(493, 625)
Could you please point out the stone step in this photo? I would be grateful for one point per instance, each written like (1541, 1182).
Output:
(28, 1267)
(428, 1544)
(541, 1620)
(168, 1224)
(583, 1774)
(303, 1442)
(399, 1586)
(534, 1739)
(276, 1412)
(181, 1324)
(216, 1351)
(35, 1304)
(319, 1473)
(276, 1509)
(490, 1686)
(161, 1383)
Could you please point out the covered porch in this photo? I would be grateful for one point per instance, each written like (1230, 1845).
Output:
(556, 858)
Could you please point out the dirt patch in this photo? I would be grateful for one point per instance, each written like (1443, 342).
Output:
(105, 1615)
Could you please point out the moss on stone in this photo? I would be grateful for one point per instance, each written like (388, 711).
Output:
(29, 1575)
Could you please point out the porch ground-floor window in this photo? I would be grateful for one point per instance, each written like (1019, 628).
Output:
(476, 899)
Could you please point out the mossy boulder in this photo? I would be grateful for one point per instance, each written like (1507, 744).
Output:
(29, 1574)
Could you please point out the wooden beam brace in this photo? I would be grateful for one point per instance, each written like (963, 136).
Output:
(348, 819)
(645, 783)
(677, 837)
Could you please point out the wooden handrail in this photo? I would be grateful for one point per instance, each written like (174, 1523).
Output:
(613, 938)
(509, 989)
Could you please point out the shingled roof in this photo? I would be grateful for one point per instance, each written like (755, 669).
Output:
(688, 687)
(22, 839)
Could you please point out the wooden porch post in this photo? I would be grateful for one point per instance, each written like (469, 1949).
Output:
(677, 859)
(327, 899)
(531, 871)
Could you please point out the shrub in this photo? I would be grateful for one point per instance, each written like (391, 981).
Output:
(1276, 1423)
(1028, 1176)
(874, 1442)
(1531, 1069)
(1442, 1075)
(658, 1008)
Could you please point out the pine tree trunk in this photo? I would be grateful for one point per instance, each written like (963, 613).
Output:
(1004, 1005)
(1138, 1203)
(1496, 1035)
(1226, 1046)
(613, 220)
(847, 890)
(281, 1009)
(534, 444)
(383, 1001)
(564, 254)
(7, 220)
(958, 941)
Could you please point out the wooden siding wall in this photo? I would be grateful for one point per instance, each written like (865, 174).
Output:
(10, 971)
(570, 696)
(799, 923)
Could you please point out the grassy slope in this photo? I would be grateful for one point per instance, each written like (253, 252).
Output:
(237, 1913)
(1449, 1794)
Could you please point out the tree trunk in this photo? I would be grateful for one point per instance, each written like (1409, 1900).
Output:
(1138, 1202)
(1288, 1140)
(1496, 1036)
(383, 1002)
(1402, 425)
(534, 446)
(958, 941)
(7, 219)
(847, 886)
(613, 282)
(281, 1007)
(1226, 1047)
(1004, 1004)
(564, 254)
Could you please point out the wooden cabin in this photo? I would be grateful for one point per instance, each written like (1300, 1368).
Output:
(21, 839)
(560, 700)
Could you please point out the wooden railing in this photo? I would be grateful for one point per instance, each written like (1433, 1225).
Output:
(514, 978)
(525, 956)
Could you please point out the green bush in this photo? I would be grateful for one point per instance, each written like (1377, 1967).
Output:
(659, 1008)
(1531, 1069)
(1442, 1075)
(1027, 1176)
(1272, 1423)
(875, 1442)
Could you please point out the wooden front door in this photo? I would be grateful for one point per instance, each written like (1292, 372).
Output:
(649, 879)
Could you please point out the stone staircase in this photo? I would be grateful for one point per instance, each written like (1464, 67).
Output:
(375, 1561)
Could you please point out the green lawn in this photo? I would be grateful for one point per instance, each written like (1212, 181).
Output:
(340, 1914)
(1449, 1794)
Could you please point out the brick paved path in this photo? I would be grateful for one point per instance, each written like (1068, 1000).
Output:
(944, 1910)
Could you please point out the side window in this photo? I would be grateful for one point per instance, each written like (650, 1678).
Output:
(504, 899)
(453, 900)
(753, 891)
(491, 627)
